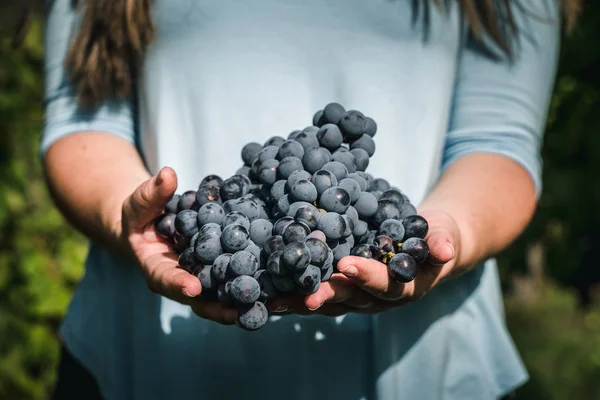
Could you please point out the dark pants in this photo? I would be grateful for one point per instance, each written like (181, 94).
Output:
(74, 380)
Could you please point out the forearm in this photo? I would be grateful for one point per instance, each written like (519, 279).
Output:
(490, 197)
(89, 176)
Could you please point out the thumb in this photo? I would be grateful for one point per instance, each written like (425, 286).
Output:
(149, 199)
(441, 248)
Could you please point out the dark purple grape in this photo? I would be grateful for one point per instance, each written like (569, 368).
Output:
(234, 187)
(296, 256)
(332, 225)
(323, 180)
(371, 128)
(326, 273)
(211, 228)
(407, 210)
(220, 268)
(280, 225)
(337, 168)
(283, 204)
(267, 173)
(242, 263)
(417, 248)
(392, 228)
(362, 250)
(208, 248)
(335, 199)
(318, 251)
(250, 153)
(366, 143)
(295, 232)
(333, 113)
(278, 190)
(244, 289)
(402, 268)
(308, 279)
(187, 200)
(187, 260)
(315, 158)
(234, 238)
(318, 119)
(361, 158)
(341, 250)
(287, 166)
(330, 136)
(392, 195)
(274, 264)
(171, 206)
(308, 215)
(273, 244)
(415, 226)
(210, 212)
(353, 124)
(318, 235)
(236, 218)
(349, 225)
(360, 229)
(267, 153)
(308, 138)
(204, 274)
(276, 141)
(379, 185)
(386, 209)
(297, 176)
(352, 187)
(304, 190)
(260, 231)
(186, 223)
(165, 225)
(290, 148)
(346, 158)
(208, 194)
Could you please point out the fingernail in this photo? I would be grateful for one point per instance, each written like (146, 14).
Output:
(452, 248)
(186, 293)
(350, 270)
(159, 178)
(315, 309)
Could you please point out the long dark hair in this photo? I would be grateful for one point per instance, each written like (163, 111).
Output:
(114, 35)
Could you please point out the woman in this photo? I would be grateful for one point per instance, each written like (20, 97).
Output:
(460, 93)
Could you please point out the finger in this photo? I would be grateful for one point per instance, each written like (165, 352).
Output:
(214, 311)
(373, 277)
(441, 248)
(339, 291)
(165, 278)
(149, 199)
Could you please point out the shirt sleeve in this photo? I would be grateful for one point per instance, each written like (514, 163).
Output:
(501, 106)
(62, 115)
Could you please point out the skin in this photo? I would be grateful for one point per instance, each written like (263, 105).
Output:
(468, 223)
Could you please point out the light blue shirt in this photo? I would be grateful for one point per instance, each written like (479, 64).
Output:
(223, 73)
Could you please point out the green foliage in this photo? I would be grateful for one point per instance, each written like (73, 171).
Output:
(41, 257)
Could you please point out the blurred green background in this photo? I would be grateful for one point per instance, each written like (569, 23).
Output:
(549, 275)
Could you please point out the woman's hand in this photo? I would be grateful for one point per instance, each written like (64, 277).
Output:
(365, 286)
(155, 256)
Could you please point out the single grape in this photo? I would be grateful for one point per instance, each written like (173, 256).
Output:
(371, 127)
(273, 244)
(308, 215)
(360, 229)
(294, 134)
(386, 209)
(315, 158)
(323, 180)
(297, 176)
(210, 212)
(236, 218)
(203, 273)
(353, 124)
(361, 158)
(330, 136)
(326, 273)
(267, 173)
(290, 148)
(304, 190)
(220, 268)
(214, 180)
(295, 232)
(402, 268)
(171, 206)
(274, 264)
(267, 153)
(415, 226)
(211, 228)
(346, 158)
(366, 143)
(308, 138)
(349, 225)
(341, 250)
(208, 194)
(335, 199)
(283, 204)
(208, 248)
(187, 201)
(337, 168)
(417, 248)
(250, 153)
(362, 250)
(287, 166)
(186, 223)
(234, 238)
(384, 244)
(260, 231)
(352, 187)
(332, 225)
(187, 260)
(165, 225)
(242, 263)
(379, 185)
(392, 228)
(276, 141)
(318, 251)
(234, 187)
(294, 207)
(318, 119)
(244, 289)
(333, 113)
(308, 279)
(296, 256)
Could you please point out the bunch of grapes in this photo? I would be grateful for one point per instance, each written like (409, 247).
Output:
(293, 210)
